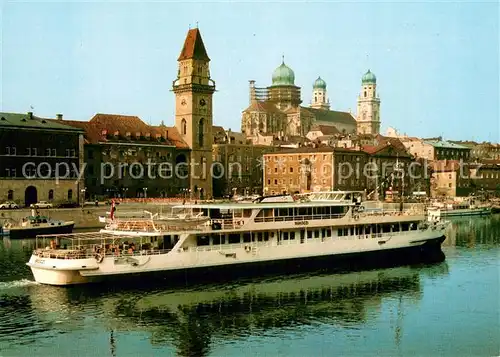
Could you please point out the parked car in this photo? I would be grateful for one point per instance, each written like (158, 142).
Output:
(41, 204)
(9, 205)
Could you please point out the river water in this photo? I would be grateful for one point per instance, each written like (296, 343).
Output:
(446, 309)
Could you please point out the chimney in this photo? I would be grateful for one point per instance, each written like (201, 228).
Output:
(30, 115)
(59, 116)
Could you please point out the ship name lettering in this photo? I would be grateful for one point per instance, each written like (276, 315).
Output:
(40, 261)
(302, 223)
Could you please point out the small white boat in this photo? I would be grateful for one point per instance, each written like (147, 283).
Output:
(456, 209)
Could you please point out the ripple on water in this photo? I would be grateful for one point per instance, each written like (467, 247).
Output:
(5, 285)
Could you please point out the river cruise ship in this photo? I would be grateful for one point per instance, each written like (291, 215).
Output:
(238, 237)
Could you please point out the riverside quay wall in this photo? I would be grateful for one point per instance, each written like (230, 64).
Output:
(86, 218)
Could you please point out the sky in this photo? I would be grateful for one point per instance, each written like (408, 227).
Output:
(437, 64)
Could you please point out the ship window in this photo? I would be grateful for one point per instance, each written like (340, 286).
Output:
(404, 226)
(247, 237)
(386, 228)
(285, 235)
(259, 237)
(341, 232)
(292, 235)
(202, 240)
(323, 232)
(309, 234)
(316, 234)
(367, 230)
(352, 231)
(266, 236)
(234, 238)
(328, 232)
(216, 239)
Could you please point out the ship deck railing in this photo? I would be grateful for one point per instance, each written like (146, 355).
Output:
(91, 244)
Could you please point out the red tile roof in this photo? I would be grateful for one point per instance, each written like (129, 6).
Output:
(193, 47)
(102, 128)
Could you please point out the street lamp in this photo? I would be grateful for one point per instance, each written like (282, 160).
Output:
(83, 194)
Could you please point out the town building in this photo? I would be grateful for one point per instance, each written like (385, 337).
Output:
(481, 151)
(237, 168)
(389, 170)
(436, 149)
(450, 178)
(126, 157)
(41, 159)
(309, 169)
(276, 110)
(485, 177)
(193, 89)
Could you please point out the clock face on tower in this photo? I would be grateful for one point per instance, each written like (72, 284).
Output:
(203, 102)
(183, 101)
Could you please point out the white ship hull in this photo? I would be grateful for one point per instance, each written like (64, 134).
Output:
(231, 256)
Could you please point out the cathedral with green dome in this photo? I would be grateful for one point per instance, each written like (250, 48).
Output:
(276, 111)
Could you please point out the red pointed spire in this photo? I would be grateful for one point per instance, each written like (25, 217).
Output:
(193, 47)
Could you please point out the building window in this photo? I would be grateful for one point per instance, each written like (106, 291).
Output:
(183, 126)
(10, 195)
(365, 94)
(70, 195)
(51, 195)
(275, 181)
(201, 131)
(449, 185)
(291, 169)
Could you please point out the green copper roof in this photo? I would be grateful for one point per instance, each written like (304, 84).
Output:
(283, 76)
(27, 120)
(319, 84)
(368, 78)
(445, 144)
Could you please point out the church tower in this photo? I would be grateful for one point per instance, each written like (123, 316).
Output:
(193, 90)
(368, 115)
(319, 98)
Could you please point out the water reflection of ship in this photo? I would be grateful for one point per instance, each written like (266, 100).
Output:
(472, 231)
(190, 320)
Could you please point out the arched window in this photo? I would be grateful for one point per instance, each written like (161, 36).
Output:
(10, 195)
(51, 195)
(201, 130)
(365, 94)
(70, 195)
(183, 126)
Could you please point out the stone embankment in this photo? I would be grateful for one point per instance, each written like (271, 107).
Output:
(84, 218)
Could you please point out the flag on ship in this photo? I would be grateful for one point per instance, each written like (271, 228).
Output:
(113, 209)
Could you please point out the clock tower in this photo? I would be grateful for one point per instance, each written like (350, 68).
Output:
(193, 90)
